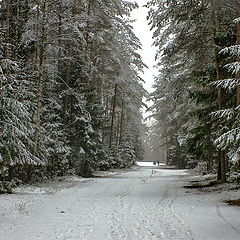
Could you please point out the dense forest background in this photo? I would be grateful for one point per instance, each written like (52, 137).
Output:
(197, 92)
(71, 94)
(70, 91)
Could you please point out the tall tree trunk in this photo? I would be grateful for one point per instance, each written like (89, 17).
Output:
(59, 37)
(66, 99)
(113, 116)
(221, 176)
(121, 123)
(238, 43)
(7, 34)
(118, 117)
(105, 120)
(40, 81)
(17, 30)
(6, 26)
(88, 22)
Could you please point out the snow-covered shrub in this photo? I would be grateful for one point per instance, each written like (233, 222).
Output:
(104, 165)
(201, 168)
(192, 162)
(6, 187)
(233, 177)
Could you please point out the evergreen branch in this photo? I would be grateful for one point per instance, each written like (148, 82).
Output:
(230, 83)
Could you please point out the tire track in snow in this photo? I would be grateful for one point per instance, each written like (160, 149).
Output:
(124, 211)
(144, 217)
(119, 228)
(74, 229)
(147, 225)
(79, 225)
(175, 228)
(171, 226)
(180, 220)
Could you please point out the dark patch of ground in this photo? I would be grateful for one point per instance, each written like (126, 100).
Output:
(233, 202)
(197, 184)
(209, 184)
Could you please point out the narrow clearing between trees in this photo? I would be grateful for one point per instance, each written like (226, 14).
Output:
(143, 203)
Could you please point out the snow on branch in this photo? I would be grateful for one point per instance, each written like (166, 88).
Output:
(9, 65)
(232, 50)
(236, 20)
(233, 67)
(226, 83)
(228, 138)
(234, 155)
(224, 113)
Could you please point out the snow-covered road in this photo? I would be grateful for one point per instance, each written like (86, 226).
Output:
(135, 205)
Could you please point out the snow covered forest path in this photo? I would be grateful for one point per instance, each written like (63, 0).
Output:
(142, 204)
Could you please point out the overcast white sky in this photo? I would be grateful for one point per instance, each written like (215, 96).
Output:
(142, 31)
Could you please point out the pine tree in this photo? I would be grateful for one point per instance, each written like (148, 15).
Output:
(229, 137)
(60, 62)
(188, 34)
(15, 115)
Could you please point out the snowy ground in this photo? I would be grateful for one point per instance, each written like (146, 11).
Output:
(147, 164)
(145, 203)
